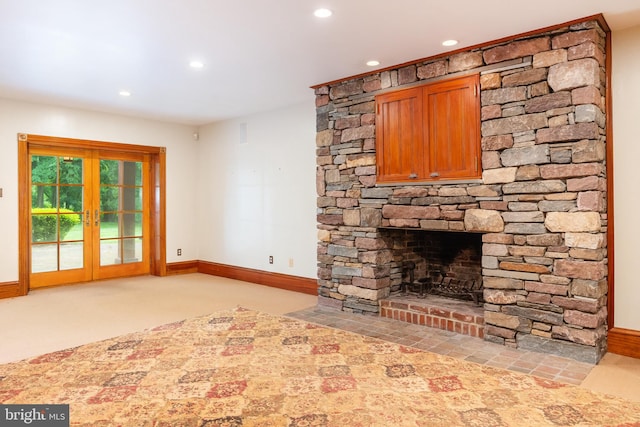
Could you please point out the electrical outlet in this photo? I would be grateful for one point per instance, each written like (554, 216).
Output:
(179, 252)
(270, 259)
(290, 262)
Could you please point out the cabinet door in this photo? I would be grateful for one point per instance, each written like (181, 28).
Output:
(399, 138)
(451, 128)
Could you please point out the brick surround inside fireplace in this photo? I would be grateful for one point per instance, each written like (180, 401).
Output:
(436, 257)
(540, 206)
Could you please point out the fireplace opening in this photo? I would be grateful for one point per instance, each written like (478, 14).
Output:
(433, 263)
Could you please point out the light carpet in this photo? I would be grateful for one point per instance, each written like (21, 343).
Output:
(248, 368)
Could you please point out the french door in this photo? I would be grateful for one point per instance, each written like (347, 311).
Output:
(89, 213)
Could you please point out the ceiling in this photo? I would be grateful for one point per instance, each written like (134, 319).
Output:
(258, 55)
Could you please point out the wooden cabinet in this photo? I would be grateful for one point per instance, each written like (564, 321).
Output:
(430, 132)
(399, 134)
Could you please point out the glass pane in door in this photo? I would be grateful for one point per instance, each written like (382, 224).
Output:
(110, 252)
(57, 206)
(44, 258)
(71, 255)
(121, 216)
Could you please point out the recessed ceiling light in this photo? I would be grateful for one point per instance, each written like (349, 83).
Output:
(373, 63)
(196, 64)
(124, 93)
(449, 42)
(322, 13)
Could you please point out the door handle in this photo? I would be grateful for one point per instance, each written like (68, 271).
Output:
(435, 175)
(97, 218)
(87, 218)
(413, 176)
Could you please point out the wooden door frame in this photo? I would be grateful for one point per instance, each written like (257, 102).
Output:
(157, 155)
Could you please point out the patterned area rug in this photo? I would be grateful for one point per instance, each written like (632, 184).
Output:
(246, 368)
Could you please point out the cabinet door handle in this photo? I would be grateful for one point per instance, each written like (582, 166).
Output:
(434, 175)
(413, 176)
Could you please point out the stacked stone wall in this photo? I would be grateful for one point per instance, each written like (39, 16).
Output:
(541, 202)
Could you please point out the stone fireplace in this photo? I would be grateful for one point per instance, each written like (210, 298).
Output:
(539, 213)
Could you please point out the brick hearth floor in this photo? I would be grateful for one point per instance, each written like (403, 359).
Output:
(450, 344)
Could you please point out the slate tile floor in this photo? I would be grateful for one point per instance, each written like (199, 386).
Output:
(451, 344)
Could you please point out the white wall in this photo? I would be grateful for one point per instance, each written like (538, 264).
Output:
(20, 117)
(227, 202)
(258, 198)
(626, 146)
